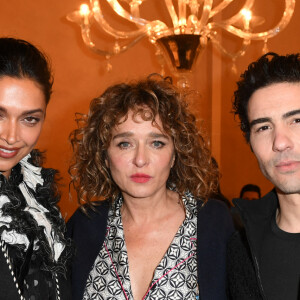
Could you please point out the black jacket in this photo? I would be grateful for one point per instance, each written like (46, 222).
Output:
(45, 196)
(8, 290)
(243, 275)
(214, 227)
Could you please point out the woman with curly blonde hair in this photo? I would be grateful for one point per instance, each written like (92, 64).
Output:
(152, 233)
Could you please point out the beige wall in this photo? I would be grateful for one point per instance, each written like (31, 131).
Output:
(80, 75)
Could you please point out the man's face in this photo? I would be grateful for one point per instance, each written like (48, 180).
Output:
(274, 117)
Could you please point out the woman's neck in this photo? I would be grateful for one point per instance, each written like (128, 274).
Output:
(142, 210)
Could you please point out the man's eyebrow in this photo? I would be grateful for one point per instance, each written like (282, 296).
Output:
(258, 121)
(284, 116)
(291, 113)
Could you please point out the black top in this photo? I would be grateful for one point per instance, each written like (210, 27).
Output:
(251, 247)
(30, 268)
(280, 263)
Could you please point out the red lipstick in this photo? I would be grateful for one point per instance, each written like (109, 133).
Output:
(140, 178)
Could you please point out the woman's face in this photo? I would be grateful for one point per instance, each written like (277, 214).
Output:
(140, 157)
(22, 113)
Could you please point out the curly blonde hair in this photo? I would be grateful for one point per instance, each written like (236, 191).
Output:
(193, 169)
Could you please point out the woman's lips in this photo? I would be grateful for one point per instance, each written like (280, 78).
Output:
(140, 178)
(8, 152)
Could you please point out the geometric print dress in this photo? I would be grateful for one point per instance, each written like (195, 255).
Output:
(174, 278)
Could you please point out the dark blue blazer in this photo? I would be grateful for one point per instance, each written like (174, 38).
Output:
(214, 227)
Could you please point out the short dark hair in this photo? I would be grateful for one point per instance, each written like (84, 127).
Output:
(20, 59)
(250, 188)
(269, 69)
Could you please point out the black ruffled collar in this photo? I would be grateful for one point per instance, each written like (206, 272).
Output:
(16, 218)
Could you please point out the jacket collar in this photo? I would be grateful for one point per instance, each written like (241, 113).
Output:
(257, 210)
(256, 216)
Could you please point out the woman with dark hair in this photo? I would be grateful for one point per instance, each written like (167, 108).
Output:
(152, 234)
(34, 252)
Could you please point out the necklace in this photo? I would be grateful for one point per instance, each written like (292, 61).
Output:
(7, 259)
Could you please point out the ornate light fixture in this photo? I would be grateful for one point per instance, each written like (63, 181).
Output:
(194, 24)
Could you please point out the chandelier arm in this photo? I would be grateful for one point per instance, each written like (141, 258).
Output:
(287, 15)
(135, 11)
(207, 5)
(118, 9)
(238, 16)
(219, 7)
(232, 55)
(194, 7)
(86, 36)
(172, 13)
(182, 12)
(99, 17)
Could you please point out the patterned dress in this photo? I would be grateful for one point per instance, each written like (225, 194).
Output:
(175, 277)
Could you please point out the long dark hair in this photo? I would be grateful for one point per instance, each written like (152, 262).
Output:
(20, 59)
